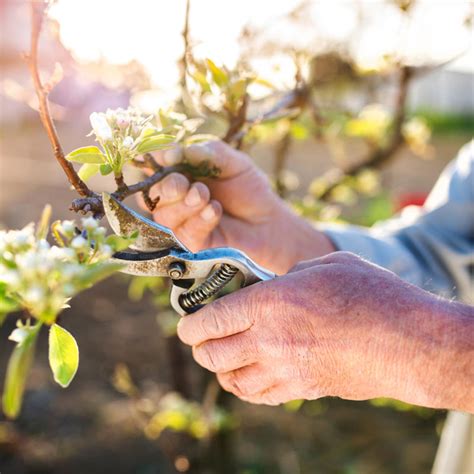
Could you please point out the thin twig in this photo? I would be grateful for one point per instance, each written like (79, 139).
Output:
(184, 58)
(281, 156)
(93, 203)
(37, 16)
(237, 122)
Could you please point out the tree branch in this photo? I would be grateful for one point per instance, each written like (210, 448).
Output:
(93, 203)
(37, 16)
(186, 52)
(381, 155)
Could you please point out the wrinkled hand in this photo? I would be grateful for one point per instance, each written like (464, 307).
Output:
(336, 326)
(237, 209)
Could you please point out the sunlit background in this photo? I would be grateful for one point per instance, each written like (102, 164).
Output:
(150, 33)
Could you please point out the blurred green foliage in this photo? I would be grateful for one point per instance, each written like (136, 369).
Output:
(445, 123)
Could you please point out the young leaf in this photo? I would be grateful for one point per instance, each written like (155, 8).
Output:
(238, 89)
(63, 355)
(88, 170)
(87, 154)
(200, 78)
(18, 368)
(105, 169)
(7, 303)
(43, 224)
(218, 74)
(263, 82)
(158, 142)
(96, 272)
(165, 121)
(119, 243)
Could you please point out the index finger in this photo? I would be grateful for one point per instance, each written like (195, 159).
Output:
(214, 321)
(228, 160)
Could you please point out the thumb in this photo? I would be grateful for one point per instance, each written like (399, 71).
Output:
(229, 161)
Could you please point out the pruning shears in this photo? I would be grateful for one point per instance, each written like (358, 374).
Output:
(196, 277)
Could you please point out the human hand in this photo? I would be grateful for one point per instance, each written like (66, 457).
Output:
(336, 326)
(238, 209)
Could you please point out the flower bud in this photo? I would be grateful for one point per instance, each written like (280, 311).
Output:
(89, 223)
(101, 127)
(128, 142)
(106, 251)
(123, 122)
(68, 227)
(34, 295)
(79, 243)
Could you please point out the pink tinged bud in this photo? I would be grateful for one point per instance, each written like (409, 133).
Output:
(123, 122)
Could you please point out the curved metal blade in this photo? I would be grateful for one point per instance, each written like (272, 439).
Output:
(124, 221)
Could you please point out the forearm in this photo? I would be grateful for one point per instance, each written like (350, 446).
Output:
(436, 358)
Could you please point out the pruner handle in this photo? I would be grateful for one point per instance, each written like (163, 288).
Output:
(188, 295)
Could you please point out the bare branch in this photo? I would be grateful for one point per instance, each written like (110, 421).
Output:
(37, 16)
(184, 58)
(93, 203)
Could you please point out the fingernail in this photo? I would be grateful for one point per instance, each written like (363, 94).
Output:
(193, 198)
(208, 213)
(172, 157)
(170, 188)
(201, 150)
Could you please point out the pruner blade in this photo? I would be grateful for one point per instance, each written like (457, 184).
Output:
(152, 236)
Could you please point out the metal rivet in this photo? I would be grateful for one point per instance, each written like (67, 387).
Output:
(176, 270)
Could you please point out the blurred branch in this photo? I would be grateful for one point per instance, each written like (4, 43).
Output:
(187, 48)
(236, 124)
(284, 107)
(38, 9)
(381, 155)
(281, 156)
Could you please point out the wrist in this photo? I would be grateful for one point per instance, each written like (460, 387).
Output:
(303, 240)
(434, 352)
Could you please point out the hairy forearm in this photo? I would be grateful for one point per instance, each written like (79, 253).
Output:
(437, 366)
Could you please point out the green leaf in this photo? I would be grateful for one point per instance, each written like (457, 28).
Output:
(119, 242)
(87, 154)
(200, 78)
(88, 170)
(263, 82)
(299, 131)
(218, 74)
(17, 371)
(157, 142)
(43, 225)
(165, 121)
(105, 169)
(63, 355)
(96, 272)
(238, 89)
(7, 303)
